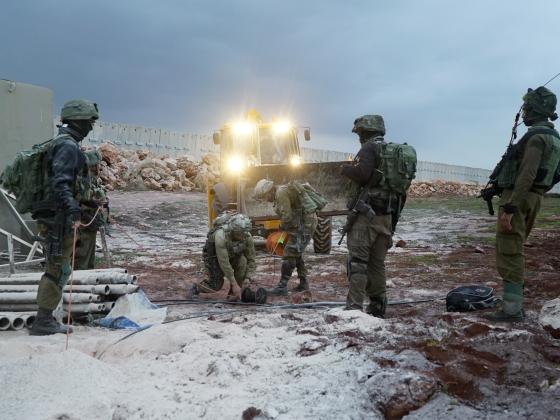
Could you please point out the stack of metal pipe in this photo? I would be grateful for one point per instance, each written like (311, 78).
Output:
(90, 292)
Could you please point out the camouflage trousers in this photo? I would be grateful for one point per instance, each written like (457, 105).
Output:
(510, 258)
(215, 280)
(57, 273)
(368, 243)
(296, 245)
(85, 250)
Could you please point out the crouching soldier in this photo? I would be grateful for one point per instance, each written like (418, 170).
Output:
(296, 205)
(229, 253)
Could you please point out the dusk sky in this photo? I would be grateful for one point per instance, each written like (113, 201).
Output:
(447, 76)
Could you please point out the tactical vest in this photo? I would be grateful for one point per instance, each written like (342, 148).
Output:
(549, 168)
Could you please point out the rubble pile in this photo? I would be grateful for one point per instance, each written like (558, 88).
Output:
(443, 188)
(141, 170)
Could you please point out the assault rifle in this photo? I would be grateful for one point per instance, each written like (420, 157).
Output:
(491, 189)
(359, 205)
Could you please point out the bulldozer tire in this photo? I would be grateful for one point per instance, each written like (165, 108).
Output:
(322, 237)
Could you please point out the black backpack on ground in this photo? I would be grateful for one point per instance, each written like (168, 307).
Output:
(470, 298)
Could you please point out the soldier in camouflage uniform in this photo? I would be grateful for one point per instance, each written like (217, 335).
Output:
(369, 239)
(300, 225)
(229, 253)
(527, 174)
(65, 163)
(93, 196)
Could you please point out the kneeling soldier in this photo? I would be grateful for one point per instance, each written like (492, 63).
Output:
(229, 252)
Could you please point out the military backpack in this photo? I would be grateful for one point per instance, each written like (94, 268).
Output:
(311, 200)
(398, 164)
(26, 176)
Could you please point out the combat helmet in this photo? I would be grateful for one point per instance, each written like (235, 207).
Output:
(263, 187)
(79, 109)
(369, 123)
(239, 223)
(540, 102)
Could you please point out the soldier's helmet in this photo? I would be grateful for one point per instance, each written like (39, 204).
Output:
(263, 187)
(240, 223)
(369, 123)
(540, 101)
(93, 157)
(79, 109)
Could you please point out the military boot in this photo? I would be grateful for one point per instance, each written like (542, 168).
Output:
(377, 306)
(302, 286)
(512, 305)
(281, 289)
(45, 324)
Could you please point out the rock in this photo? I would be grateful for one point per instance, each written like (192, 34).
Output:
(400, 243)
(549, 317)
(479, 250)
(152, 184)
(142, 154)
(250, 413)
(397, 392)
(444, 407)
(190, 168)
(109, 153)
(150, 173)
(171, 163)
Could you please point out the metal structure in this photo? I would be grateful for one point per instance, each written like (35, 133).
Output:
(25, 119)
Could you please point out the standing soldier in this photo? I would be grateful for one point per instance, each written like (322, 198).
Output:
(527, 171)
(381, 174)
(229, 252)
(59, 211)
(296, 204)
(93, 196)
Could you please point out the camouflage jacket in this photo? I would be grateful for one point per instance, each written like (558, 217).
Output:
(228, 249)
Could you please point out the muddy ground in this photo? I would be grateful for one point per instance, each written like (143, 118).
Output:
(497, 370)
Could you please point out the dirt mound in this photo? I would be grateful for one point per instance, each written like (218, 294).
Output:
(140, 170)
(443, 188)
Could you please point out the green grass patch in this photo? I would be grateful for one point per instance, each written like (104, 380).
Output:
(471, 204)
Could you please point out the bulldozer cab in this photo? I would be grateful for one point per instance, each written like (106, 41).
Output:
(251, 150)
(249, 143)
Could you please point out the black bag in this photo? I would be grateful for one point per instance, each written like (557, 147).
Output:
(470, 298)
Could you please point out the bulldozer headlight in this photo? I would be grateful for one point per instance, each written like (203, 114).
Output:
(235, 164)
(242, 128)
(281, 127)
(295, 160)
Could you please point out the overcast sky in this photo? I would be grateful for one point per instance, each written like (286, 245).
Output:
(448, 76)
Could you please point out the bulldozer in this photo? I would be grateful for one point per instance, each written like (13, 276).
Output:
(252, 149)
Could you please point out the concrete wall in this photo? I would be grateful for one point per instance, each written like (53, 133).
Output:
(159, 141)
(25, 118)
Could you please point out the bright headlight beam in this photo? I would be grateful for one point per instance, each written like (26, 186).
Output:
(235, 164)
(281, 127)
(242, 128)
(295, 160)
